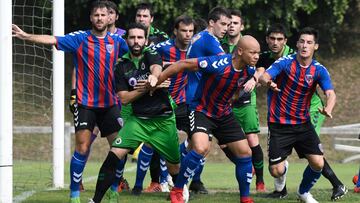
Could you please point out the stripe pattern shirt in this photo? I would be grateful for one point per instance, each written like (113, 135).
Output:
(94, 59)
(218, 84)
(170, 53)
(297, 84)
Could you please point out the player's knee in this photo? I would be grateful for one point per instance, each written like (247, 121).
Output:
(276, 170)
(82, 148)
(173, 168)
(201, 149)
(317, 163)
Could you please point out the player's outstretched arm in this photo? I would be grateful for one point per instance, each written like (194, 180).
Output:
(41, 39)
(188, 64)
(330, 103)
(265, 80)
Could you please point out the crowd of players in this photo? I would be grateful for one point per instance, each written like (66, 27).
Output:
(202, 82)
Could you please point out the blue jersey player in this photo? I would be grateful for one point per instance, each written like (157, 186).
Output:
(212, 114)
(292, 80)
(205, 43)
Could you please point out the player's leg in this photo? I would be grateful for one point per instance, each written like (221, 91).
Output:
(144, 158)
(339, 189)
(107, 171)
(357, 182)
(84, 121)
(308, 145)
(248, 118)
(280, 143)
(129, 138)
(200, 146)
(154, 173)
(229, 132)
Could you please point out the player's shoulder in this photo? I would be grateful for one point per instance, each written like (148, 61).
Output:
(217, 61)
(286, 59)
(79, 33)
(162, 45)
(319, 66)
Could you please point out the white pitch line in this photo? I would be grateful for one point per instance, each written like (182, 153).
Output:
(23, 196)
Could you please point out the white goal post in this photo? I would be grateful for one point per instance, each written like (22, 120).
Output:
(6, 145)
(6, 101)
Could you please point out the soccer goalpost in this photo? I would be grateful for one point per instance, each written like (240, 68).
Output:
(21, 87)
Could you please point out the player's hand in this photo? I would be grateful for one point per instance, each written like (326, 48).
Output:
(164, 84)
(250, 85)
(141, 85)
(325, 112)
(152, 80)
(19, 33)
(72, 100)
(273, 86)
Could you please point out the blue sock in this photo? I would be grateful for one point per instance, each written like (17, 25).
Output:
(310, 177)
(243, 171)
(118, 174)
(163, 171)
(183, 151)
(358, 182)
(143, 164)
(190, 163)
(198, 171)
(77, 166)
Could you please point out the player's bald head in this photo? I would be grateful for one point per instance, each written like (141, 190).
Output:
(248, 42)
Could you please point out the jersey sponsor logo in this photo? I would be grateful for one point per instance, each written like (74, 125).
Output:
(220, 62)
(118, 140)
(240, 81)
(203, 64)
(309, 79)
(132, 82)
(109, 48)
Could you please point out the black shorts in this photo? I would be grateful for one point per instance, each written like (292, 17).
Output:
(283, 138)
(226, 129)
(107, 119)
(182, 118)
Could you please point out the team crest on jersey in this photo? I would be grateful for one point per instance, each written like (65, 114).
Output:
(203, 64)
(309, 79)
(109, 48)
(195, 38)
(132, 82)
(142, 66)
(118, 140)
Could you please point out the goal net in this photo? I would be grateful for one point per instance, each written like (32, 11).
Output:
(32, 99)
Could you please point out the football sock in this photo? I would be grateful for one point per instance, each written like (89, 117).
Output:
(258, 162)
(106, 176)
(199, 170)
(190, 163)
(164, 172)
(118, 174)
(143, 164)
(155, 167)
(329, 174)
(77, 166)
(183, 151)
(243, 171)
(310, 177)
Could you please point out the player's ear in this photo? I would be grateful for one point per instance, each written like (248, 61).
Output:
(239, 51)
(211, 22)
(175, 32)
(316, 46)
(285, 40)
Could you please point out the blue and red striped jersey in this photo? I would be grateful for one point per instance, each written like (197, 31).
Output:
(297, 84)
(94, 59)
(218, 84)
(170, 53)
(202, 44)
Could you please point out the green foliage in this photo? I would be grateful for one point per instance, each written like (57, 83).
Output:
(325, 15)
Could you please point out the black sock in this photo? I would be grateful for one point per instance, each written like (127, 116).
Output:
(174, 177)
(155, 168)
(106, 176)
(229, 154)
(258, 162)
(329, 174)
